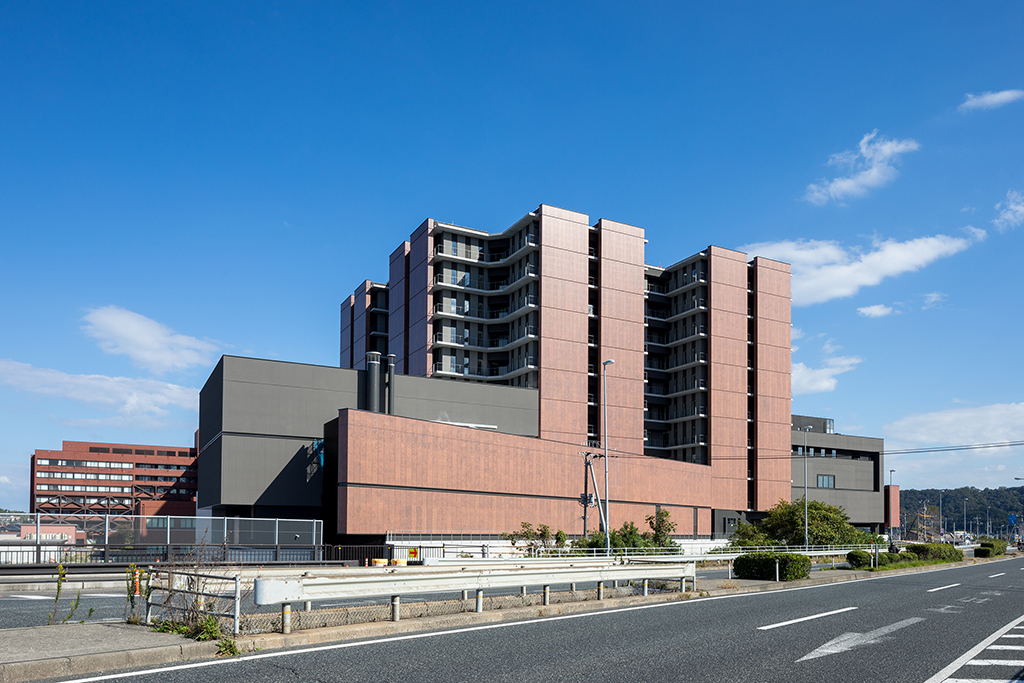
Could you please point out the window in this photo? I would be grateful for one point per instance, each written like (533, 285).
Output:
(826, 481)
(42, 461)
(123, 451)
(139, 451)
(97, 449)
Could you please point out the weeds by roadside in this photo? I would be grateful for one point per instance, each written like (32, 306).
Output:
(55, 614)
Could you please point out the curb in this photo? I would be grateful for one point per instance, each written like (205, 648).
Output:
(60, 667)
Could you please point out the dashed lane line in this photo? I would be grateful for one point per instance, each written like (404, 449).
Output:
(942, 588)
(999, 574)
(797, 621)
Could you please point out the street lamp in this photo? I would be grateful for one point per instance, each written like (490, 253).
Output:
(607, 518)
(805, 430)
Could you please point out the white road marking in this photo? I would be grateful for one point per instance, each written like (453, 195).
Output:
(31, 597)
(982, 680)
(848, 641)
(966, 657)
(797, 621)
(1014, 635)
(942, 588)
(997, 662)
(1005, 647)
(995, 575)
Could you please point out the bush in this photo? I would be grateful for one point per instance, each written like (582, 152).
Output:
(762, 566)
(942, 552)
(983, 552)
(908, 557)
(889, 558)
(858, 558)
(998, 547)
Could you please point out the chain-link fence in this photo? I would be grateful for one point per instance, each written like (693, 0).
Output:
(254, 620)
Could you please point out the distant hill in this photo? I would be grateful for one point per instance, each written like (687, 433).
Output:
(1000, 502)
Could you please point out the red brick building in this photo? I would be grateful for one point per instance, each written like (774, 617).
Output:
(108, 478)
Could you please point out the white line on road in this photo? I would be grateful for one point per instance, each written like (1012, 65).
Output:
(797, 621)
(941, 676)
(31, 597)
(982, 680)
(1014, 635)
(999, 574)
(942, 588)
(997, 662)
(1005, 647)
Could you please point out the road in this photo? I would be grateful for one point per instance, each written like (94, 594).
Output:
(951, 625)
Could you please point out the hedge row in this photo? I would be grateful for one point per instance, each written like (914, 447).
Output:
(983, 552)
(998, 547)
(936, 551)
(761, 565)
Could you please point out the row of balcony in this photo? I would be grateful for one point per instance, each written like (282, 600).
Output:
(666, 442)
(447, 367)
(695, 305)
(676, 413)
(478, 254)
(464, 281)
(479, 341)
(664, 288)
(664, 365)
(676, 388)
(464, 310)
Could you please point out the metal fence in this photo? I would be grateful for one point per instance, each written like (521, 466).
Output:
(86, 538)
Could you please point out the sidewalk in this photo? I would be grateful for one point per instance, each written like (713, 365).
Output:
(41, 652)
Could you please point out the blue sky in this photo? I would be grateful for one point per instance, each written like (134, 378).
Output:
(182, 180)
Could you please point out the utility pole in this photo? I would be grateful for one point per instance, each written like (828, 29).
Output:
(604, 399)
(806, 536)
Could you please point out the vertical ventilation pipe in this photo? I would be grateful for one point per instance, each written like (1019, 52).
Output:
(373, 381)
(391, 383)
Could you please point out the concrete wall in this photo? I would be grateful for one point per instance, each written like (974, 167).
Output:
(859, 482)
(259, 420)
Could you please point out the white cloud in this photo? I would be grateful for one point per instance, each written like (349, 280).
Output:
(149, 344)
(134, 400)
(933, 299)
(870, 167)
(5, 480)
(977, 234)
(876, 311)
(990, 100)
(796, 333)
(958, 426)
(1011, 212)
(816, 380)
(825, 270)
(830, 348)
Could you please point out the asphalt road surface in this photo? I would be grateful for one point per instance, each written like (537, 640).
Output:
(949, 625)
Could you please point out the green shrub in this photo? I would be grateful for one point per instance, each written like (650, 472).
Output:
(889, 558)
(908, 557)
(998, 547)
(761, 565)
(858, 558)
(983, 552)
(942, 552)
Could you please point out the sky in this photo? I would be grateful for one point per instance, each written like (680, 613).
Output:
(180, 181)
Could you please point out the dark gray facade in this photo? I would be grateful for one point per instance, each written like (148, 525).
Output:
(261, 427)
(842, 470)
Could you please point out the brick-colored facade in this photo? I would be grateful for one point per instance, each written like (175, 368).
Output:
(107, 478)
(701, 348)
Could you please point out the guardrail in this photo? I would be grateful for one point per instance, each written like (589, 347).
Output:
(195, 588)
(285, 591)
